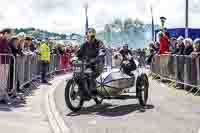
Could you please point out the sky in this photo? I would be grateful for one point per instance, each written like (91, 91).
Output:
(67, 16)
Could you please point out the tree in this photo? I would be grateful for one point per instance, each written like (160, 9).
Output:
(107, 28)
(138, 25)
(128, 24)
(117, 24)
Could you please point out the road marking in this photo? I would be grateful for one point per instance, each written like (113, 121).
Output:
(162, 85)
(55, 119)
(93, 122)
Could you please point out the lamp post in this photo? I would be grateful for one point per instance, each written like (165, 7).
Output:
(152, 24)
(108, 34)
(186, 17)
(86, 16)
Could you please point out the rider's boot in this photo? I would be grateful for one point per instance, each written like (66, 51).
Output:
(85, 92)
(93, 87)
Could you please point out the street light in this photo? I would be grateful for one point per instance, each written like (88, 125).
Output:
(86, 15)
(108, 34)
(186, 18)
(152, 24)
(163, 20)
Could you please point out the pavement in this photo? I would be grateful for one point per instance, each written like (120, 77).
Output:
(31, 114)
(168, 111)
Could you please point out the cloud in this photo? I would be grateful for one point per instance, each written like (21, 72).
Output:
(68, 15)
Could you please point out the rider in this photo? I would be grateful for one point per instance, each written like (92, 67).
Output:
(125, 52)
(90, 50)
(127, 68)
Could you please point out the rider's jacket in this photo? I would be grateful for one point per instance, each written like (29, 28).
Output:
(90, 50)
(125, 53)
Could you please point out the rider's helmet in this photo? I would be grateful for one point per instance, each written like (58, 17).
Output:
(91, 33)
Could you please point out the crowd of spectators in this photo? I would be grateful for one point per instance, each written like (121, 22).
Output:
(174, 46)
(21, 45)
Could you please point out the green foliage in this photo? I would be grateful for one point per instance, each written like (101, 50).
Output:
(39, 33)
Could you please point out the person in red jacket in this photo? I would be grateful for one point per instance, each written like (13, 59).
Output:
(66, 59)
(164, 43)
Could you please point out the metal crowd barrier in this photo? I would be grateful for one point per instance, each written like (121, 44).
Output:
(7, 78)
(15, 72)
(184, 70)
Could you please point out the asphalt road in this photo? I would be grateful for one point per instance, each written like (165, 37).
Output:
(168, 111)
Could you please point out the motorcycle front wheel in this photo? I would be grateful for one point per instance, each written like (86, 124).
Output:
(142, 86)
(73, 96)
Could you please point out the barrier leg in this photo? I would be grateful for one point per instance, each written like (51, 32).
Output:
(198, 90)
(190, 90)
(150, 74)
(155, 77)
(172, 84)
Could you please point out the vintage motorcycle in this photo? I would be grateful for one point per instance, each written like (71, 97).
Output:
(110, 85)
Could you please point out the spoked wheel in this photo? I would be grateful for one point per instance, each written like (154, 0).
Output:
(73, 96)
(142, 86)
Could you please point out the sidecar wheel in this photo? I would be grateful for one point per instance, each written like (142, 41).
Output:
(142, 86)
(72, 93)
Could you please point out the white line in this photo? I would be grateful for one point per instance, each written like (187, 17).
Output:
(55, 119)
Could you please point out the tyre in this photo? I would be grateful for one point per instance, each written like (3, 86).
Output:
(142, 86)
(72, 95)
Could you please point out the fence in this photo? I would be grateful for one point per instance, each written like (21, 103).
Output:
(184, 70)
(18, 71)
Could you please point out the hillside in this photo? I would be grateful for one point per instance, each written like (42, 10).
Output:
(40, 34)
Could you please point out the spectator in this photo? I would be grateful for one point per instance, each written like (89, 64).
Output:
(13, 43)
(20, 47)
(76, 48)
(173, 46)
(59, 50)
(66, 59)
(4, 64)
(32, 46)
(164, 43)
(157, 46)
(117, 59)
(180, 46)
(166, 33)
(188, 46)
(153, 51)
(196, 51)
(27, 46)
(51, 42)
(45, 60)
